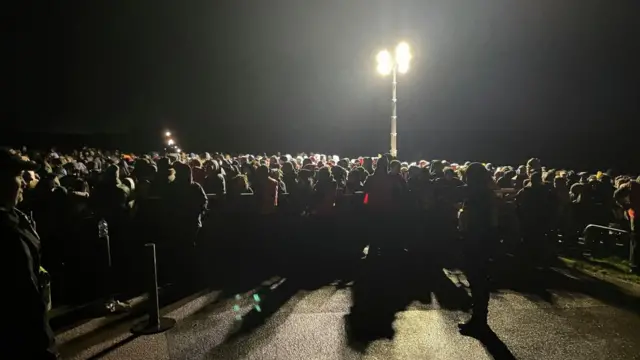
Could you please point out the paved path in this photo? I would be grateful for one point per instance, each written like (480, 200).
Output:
(565, 316)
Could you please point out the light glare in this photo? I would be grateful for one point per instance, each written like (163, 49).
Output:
(384, 62)
(403, 56)
(168, 133)
(171, 142)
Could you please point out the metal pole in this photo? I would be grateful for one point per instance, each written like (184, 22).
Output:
(154, 301)
(155, 323)
(394, 111)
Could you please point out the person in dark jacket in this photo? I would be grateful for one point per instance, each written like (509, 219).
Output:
(478, 222)
(25, 333)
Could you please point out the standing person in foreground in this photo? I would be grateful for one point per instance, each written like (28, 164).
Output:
(478, 222)
(25, 333)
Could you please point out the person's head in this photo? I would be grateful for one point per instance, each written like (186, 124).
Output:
(240, 184)
(560, 182)
(324, 175)
(584, 177)
(549, 176)
(449, 174)
(275, 173)
(287, 168)
(477, 176)
(606, 179)
(437, 167)
(394, 167)
(183, 173)
(414, 172)
(576, 189)
(339, 174)
(363, 173)
(510, 174)
(353, 177)
(305, 176)
(195, 163)
(274, 163)
(382, 165)
(30, 178)
(367, 163)
(622, 180)
(533, 165)
(211, 167)
(112, 173)
(12, 181)
(262, 172)
(306, 161)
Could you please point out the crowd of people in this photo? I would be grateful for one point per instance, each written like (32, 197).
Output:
(52, 191)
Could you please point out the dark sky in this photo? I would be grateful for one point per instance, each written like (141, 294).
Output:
(494, 80)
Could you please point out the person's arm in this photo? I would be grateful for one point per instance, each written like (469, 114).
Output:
(223, 183)
(366, 187)
(26, 333)
(201, 200)
(282, 187)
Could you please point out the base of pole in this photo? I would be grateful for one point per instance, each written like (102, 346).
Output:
(145, 328)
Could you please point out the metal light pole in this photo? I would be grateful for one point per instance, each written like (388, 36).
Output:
(392, 65)
(394, 112)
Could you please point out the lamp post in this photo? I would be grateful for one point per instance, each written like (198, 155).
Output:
(388, 64)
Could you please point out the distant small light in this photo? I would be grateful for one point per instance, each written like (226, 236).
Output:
(168, 133)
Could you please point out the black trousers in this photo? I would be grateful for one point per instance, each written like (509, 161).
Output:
(476, 259)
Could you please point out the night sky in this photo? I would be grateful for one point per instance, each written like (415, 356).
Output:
(491, 80)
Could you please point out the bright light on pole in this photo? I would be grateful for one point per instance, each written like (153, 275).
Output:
(171, 142)
(403, 57)
(168, 133)
(385, 62)
(392, 65)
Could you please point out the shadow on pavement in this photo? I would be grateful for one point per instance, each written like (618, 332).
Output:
(389, 281)
(113, 347)
(303, 267)
(493, 345)
(538, 284)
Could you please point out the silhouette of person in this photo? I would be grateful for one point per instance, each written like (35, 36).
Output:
(478, 221)
(26, 333)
